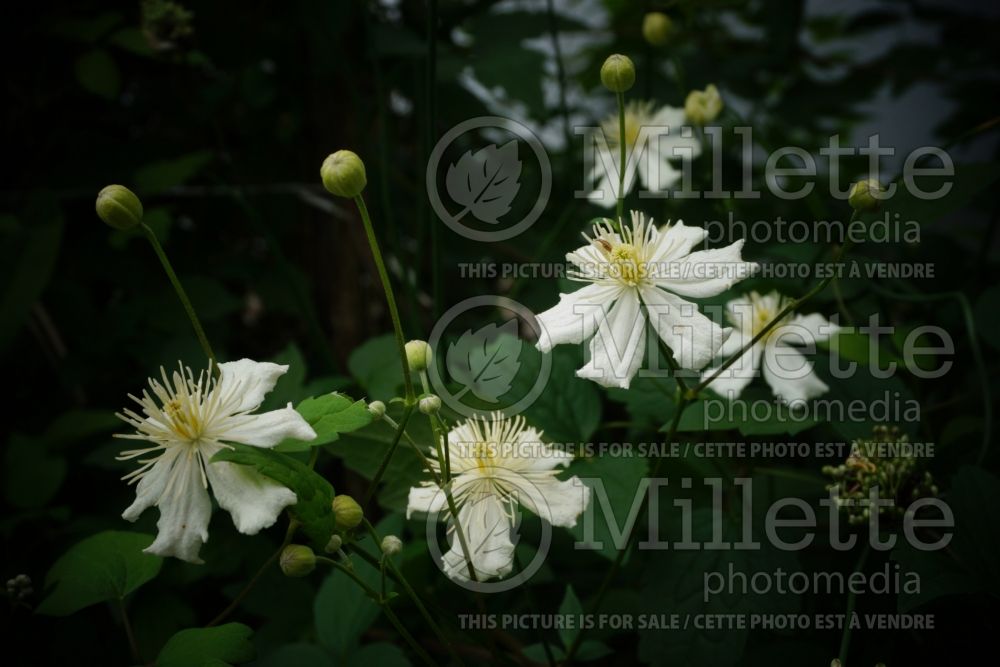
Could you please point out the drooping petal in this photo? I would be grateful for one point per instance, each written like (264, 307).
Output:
(790, 375)
(694, 338)
(255, 502)
(150, 487)
(707, 272)
(185, 510)
(558, 502)
(266, 429)
(248, 381)
(617, 348)
(675, 242)
(576, 316)
(533, 455)
(734, 379)
(487, 529)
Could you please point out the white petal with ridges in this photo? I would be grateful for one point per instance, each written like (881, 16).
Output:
(255, 502)
(694, 338)
(617, 348)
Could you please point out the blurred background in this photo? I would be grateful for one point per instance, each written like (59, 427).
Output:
(219, 114)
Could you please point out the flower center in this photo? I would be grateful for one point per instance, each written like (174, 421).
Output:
(184, 420)
(624, 263)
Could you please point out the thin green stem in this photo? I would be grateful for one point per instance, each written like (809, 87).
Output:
(390, 299)
(416, 449)
(384, 604)
(431, 114)
(621, 157)
(181, 294)
(133, 646)
(845, 638)
(441, 445)
(384, 465)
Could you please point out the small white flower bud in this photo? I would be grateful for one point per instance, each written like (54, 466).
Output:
(333, 546)
(391, 545)
(418, 355)
(703, 106)
(861, 197)
(429, 404)
(377, 409)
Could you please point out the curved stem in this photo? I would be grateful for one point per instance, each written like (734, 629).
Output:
(390, 299)
(621, 155)
(384, 465)
(181, 294)
(133, 646)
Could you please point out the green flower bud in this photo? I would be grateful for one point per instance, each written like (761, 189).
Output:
(333, 546)
(297, 560)
(377, 409)
(391, 545)
(343, 174)
(702, 106)
(347, 512)
(119, 207)
(429, 404)
(863, 195)
(418, 355)
(618, 73)
(656, 28)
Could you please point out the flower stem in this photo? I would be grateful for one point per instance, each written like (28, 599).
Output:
(441, 444)
(407, 411)
(390, 299)
(621, 163)
(181, 294)
(133, 647)
(397, 574)
(384, 604)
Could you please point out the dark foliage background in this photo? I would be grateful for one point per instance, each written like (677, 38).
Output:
(220, 120)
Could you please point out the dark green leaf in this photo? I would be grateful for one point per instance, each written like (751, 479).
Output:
(227, 644)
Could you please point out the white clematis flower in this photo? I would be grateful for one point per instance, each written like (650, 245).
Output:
(186, 421)
(647, 153)
(498, 464)
(642, 272)
(789, 374)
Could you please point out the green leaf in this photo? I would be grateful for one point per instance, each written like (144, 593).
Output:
(106, 566)
(570, 607)
(159, 176)
(622, 481)
(376, 367)
(755, 412)
(314, 493)
(297, 655)
(29, 257)
(97, 73)
(227, 644)
(382, 654)
(329, 415)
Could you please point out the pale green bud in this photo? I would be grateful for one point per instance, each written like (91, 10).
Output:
(119, 207)
(863, 195)
(334, 544)
(702, 106)
(618, 73)
(656, 28)
(391, 545)
(343, 174)
(429, 404)
(347, 513)
(297, 560)
(418, 355)
(377, 409)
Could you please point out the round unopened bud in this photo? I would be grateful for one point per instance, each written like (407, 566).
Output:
(377, 409)
(347, 513)
(418, 355)
(429, 404)
(343, 174)
(297, 560)
(656, 28)
(391, 545)
(702, 106)
(333, 546)
(865, 195)
(618, 73)
(118, 207)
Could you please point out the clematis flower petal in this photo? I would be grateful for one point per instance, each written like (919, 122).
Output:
(249, 381)
(790, 375)
(487, 529)
(185, 510)
(707, 272)
(428, 499)
(267, 429)
(814, 328)
(254, 501)
(559, 502)
(575, 317)
(617, 349)
(694, 338)
(734, 379)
